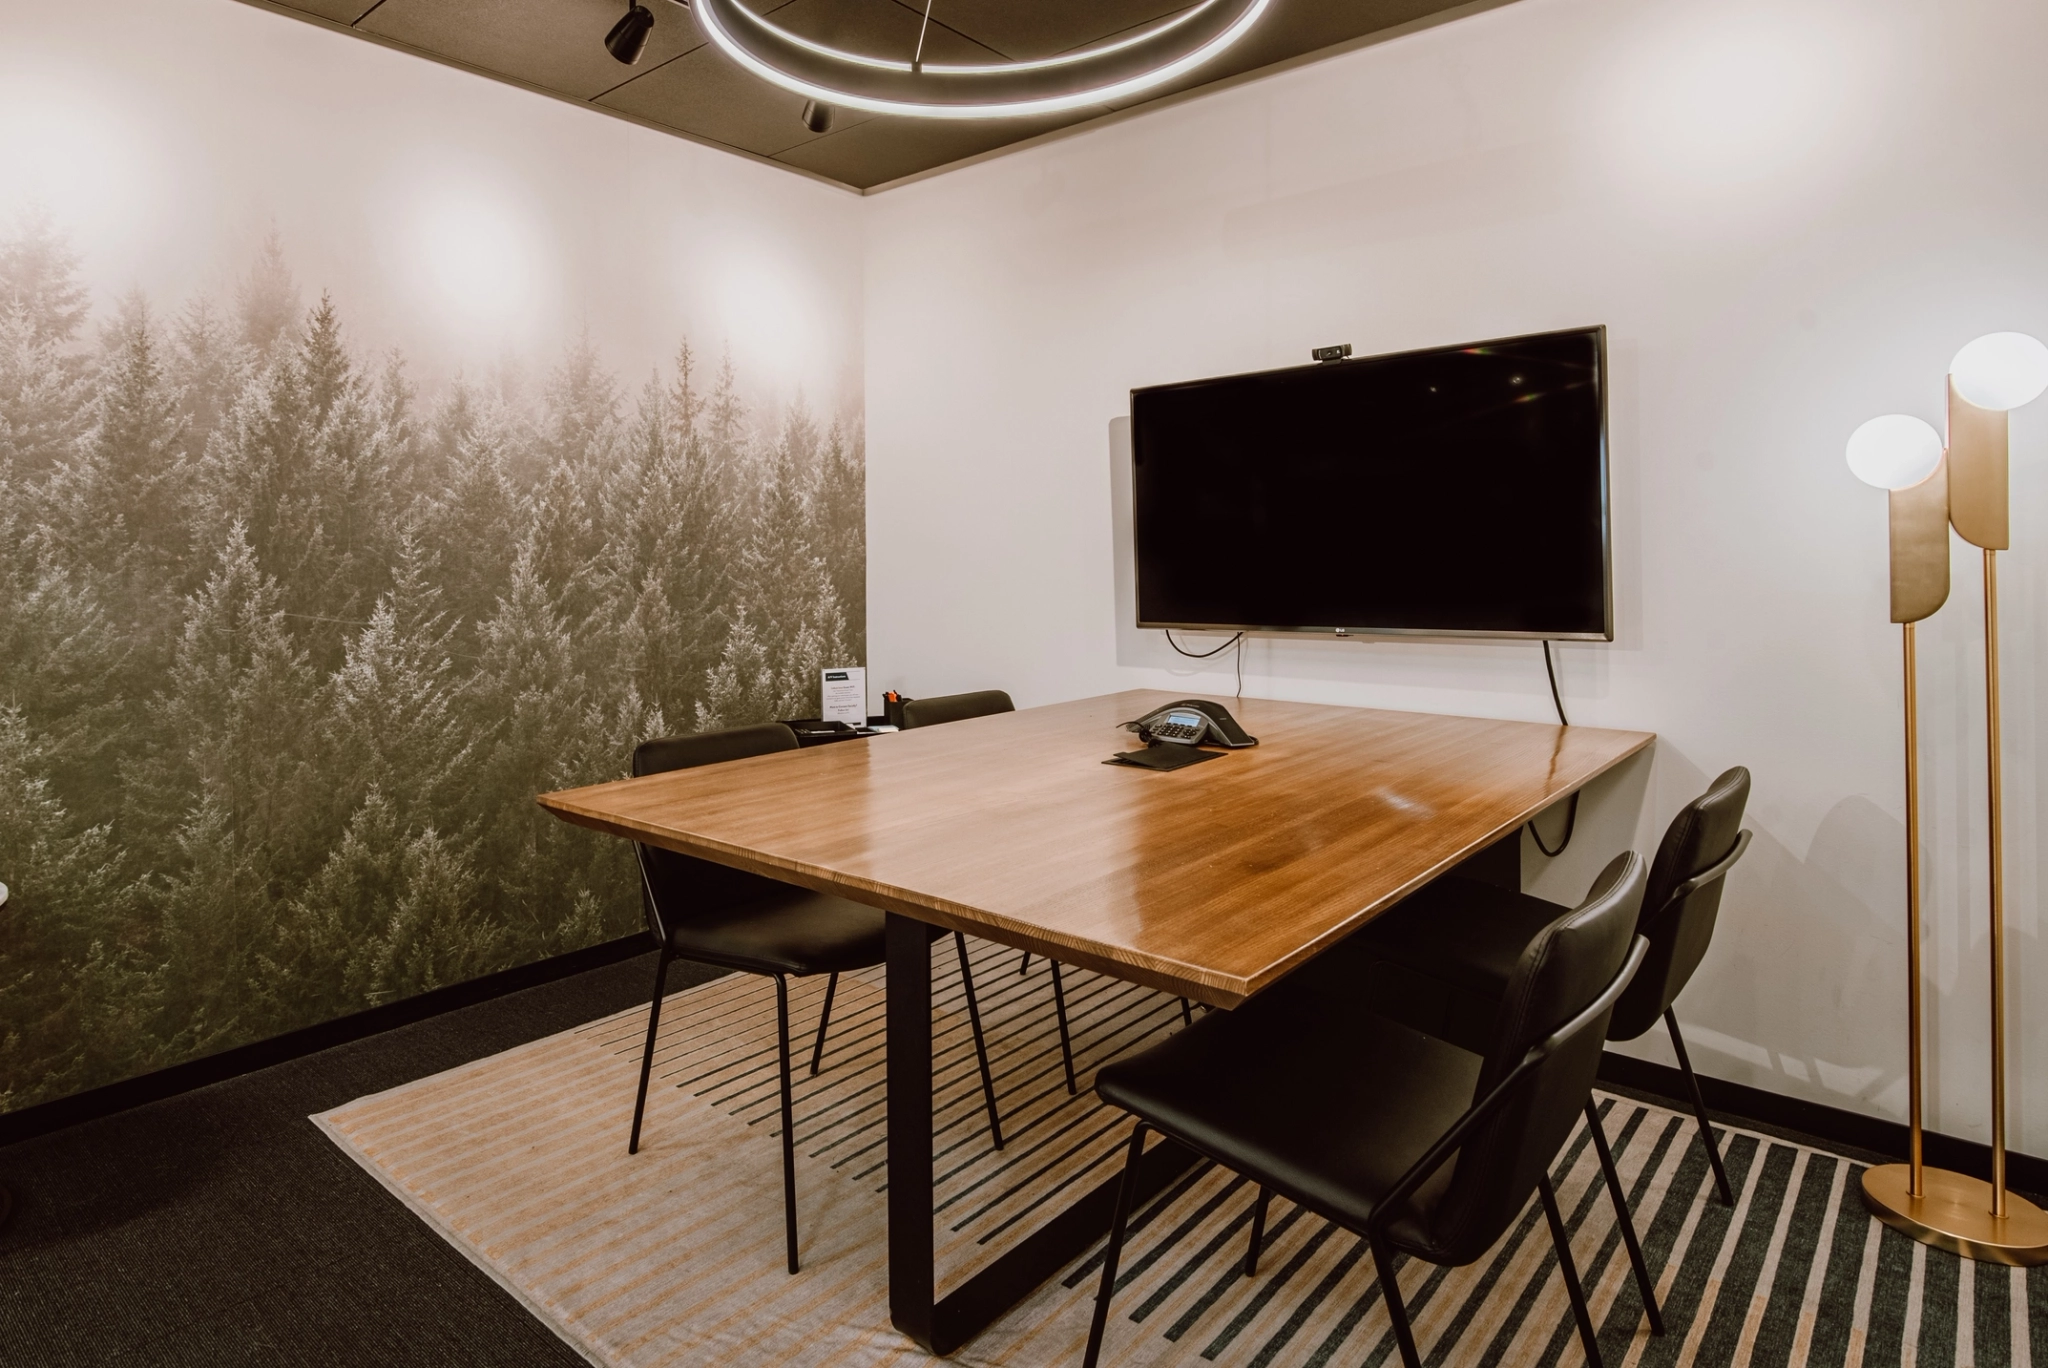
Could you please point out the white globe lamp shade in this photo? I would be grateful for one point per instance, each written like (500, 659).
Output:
(2001, 370)
(1895, 451)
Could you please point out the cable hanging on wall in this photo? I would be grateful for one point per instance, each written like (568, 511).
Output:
(1571, 811)
(1237, 640)
(1114, 69)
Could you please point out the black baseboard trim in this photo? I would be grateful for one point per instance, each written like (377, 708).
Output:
(1738, 1103)
(44, 1117)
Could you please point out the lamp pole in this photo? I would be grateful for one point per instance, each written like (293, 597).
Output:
(1918, 512)
(1917, 1182)
(1995, 782)
(1954, 1211)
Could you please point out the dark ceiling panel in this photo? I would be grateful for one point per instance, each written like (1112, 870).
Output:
(684, 84)
(340, 11)
(1296, 28)
(887, 148)
(706, 94)
(878, 28)
(1046, 28)
(558, 44)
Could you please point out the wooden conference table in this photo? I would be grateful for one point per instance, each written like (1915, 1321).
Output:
(1208, 882)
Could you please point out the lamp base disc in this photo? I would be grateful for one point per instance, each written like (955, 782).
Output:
(1954, 1213)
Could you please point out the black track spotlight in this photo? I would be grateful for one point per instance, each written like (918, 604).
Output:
(817, 117)
(628, 38)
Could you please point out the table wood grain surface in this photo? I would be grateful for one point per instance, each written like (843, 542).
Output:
(1209, 882)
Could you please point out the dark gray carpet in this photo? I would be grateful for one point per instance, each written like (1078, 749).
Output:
(221, 1228)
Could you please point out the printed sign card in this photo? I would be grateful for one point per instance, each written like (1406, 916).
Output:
(846, 696)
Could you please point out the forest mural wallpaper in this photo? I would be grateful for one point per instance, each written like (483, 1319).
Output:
(293, 628)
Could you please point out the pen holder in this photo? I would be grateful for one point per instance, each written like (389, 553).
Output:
(892, 710)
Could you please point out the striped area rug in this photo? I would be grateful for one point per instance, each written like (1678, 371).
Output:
(674, 1256)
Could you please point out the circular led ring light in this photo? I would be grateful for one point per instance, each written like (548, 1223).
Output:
(1108, 71)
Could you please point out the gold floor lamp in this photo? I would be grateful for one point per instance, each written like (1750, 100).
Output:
(1965, 487)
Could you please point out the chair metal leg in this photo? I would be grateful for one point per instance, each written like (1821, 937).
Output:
(1059, 1011)
(1124, 1192)
(1699, 1109)
(1645, 1284)
(1187, 1013)
(988, 1082)
(1397, 1310)
(1251, 1255)
(824, 1016)
(647, 1055)
(1024, 965)
(788, 1121)
(1561, 1239)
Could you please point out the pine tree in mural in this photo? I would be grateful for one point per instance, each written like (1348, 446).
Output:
(286, 650)
(43, 396)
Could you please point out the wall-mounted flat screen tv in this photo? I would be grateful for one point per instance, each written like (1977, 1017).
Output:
(1460, 491)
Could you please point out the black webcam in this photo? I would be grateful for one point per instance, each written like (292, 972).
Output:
(1336, 353)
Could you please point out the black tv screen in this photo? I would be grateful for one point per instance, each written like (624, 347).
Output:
(1453, 492)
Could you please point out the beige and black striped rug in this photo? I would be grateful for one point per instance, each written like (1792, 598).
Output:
(674, 1256)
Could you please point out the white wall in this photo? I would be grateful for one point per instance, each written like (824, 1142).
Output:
(1789, 215)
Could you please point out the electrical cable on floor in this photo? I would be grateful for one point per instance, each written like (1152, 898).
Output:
(1571, 811)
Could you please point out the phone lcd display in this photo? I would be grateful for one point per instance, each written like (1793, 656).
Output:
(1460, 491)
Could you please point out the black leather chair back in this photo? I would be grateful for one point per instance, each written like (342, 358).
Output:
(683, 884)
(930, 712)
(1563, 972)
(710, 748)
(1683, 898)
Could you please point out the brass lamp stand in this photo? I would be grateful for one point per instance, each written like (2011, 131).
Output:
(1953, 1211)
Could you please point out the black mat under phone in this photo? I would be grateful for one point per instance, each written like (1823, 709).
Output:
(1173, 733)
(1163, 757)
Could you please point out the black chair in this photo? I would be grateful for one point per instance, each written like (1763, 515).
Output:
(1469, 935)
(1355, 1116)
(711, 914)
(932, 712)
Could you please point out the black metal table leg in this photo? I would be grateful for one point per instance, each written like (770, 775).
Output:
(909, 1055)
(940, 1326)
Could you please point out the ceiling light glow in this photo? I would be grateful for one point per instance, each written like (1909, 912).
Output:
(1107, 72)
